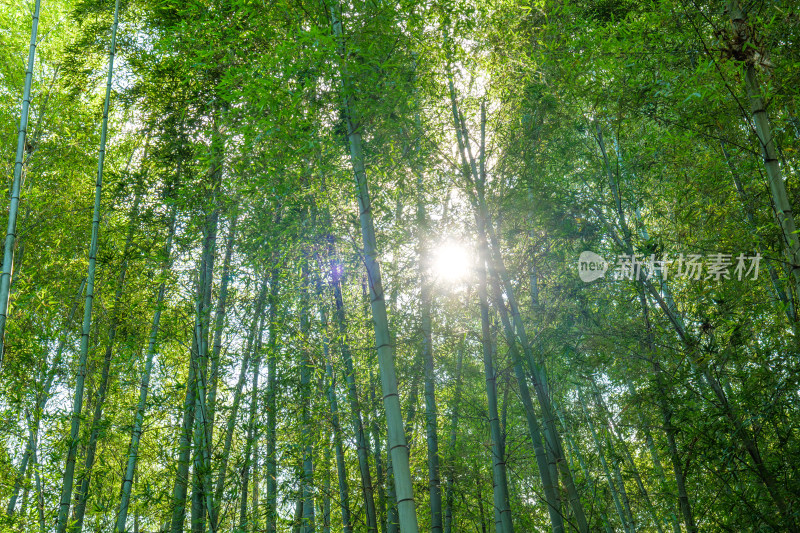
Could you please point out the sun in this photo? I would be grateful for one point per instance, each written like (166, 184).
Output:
(452, 262)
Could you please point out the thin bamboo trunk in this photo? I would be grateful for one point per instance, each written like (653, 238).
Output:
(33, 437)
(503, 522)
(392, 521)
(202, 491)
(202, 497)
(778, 288)
(576, 452)
(42, 401)
(250, 344)
(426, 352)
(668, 306)
(326, 497)
(377, 449)
(138, 422)
(623, 493)
(450, 467)
(341, 467)
(355, 411)
(601, 454)
(385, 348)
(615, 433)
(83, 494)
(219, 326)
(306, 369)
(69, 470)
(298, 515)
(251, 430)
(657, 464)
(255, 493)
(16, 185)
(486, 233)
(481, 512)
(534, 428)
(180, 486)
(500, 486)
(272, 408)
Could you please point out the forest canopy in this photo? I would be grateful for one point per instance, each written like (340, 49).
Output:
(378, 267)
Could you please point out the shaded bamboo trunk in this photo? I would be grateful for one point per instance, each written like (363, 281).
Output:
(657, 464)
(256, 491)
(534, 428)
(745, 34)
(326, 498)
(75, 422)
(576, 452)
(377, 449)
(16, 184)
(180, 485)
(615, 465)
(202, 492)
(202, 497)
(747, 208)
(136, 432)
(668, 306)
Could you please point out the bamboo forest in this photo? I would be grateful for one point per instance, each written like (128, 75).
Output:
(400, 266)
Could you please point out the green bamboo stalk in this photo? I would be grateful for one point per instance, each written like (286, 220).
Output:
(449, 483)
(391, 400)
(75, 423)
(362, 451)
(42, 401)
(16, 186)
(341, 467)
(614, 493)
(306, 369)
(138, 422)
(534, 428)
(377, 455)
(426, 352)
(616, 433)
(83, 494)
(219, 325)
(237, 396)
(251, 429)
(272, 409)
(777, 187)
(503, 523)
(179, 488)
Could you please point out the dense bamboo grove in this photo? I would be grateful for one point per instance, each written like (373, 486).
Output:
(383, 267)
